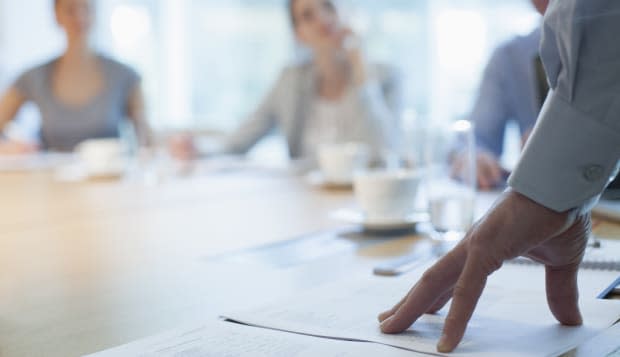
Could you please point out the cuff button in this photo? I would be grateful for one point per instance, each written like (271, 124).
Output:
(593, 173)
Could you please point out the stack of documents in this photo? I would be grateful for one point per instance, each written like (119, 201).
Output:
(512, 319)
(508, 314)
(224, 339)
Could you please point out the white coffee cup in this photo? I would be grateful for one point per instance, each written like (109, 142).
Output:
(340, 162)
(387, 195)
(101, 157)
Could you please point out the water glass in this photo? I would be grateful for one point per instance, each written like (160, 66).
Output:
(450, 183)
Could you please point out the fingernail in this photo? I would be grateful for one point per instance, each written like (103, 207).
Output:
(385, 324)
(443, 346)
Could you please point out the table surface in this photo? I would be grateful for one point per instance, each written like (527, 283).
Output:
(88, 266)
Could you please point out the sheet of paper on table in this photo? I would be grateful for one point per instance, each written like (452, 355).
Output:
(221, 338)
(512, 318)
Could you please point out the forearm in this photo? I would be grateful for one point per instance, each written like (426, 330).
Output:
(568, 159)
(144, 132)
(575, 146)
(241, 140)
(137, 114)
(491, 109)
(10, 103)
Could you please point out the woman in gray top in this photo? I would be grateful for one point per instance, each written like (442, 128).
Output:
(80, 95)
(335, 97)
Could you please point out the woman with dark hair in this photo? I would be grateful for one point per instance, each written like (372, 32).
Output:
(333, 97)
(80, 95)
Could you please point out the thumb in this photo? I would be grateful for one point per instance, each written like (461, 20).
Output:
(563, 294)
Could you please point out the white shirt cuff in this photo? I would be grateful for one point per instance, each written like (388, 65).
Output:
(568, 159)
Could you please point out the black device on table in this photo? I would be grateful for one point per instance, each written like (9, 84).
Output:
(613, 190)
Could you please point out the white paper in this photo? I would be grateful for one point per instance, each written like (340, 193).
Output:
(225, 339)
(510, 320)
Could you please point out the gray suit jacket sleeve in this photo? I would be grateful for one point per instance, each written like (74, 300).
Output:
(261, 122)
(490, 114)
(288, 105)
(575, 146)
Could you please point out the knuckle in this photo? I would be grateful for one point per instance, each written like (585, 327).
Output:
(428, 278)
(482, 254)
(460, 292)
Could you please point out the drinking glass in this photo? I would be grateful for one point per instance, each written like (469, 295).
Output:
(450, 182)
(148, 160)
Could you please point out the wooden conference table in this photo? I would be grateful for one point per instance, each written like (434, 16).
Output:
(88, 266)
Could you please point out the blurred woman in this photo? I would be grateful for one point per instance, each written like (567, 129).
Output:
(80, 95)
(333, 97)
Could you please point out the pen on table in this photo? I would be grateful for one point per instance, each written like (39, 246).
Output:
(610, 289)
(398, 266)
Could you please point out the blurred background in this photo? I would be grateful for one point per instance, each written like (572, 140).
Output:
(207, 63)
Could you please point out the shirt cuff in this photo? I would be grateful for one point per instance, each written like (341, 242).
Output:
(569, 158)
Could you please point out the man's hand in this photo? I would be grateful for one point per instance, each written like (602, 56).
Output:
(515, 226)
(182, 147)
(489, 173)
(352, 46)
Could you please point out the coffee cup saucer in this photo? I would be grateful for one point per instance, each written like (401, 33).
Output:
(78, 171)
(318, 179)
(356, 216)
(108, 173)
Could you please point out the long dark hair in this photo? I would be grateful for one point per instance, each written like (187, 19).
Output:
(291, 11)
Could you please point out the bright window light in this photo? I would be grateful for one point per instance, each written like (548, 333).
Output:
(129, 24)
(461, 39)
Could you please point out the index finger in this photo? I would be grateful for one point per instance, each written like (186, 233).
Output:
(467, 292)
(433, 285)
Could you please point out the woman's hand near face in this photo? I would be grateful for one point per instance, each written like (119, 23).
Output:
(351, 44)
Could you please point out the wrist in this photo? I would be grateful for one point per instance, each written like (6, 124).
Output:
(358, 66)
(358, 73)
(559, 221)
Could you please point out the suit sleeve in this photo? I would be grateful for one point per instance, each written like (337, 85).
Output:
(574, 149)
